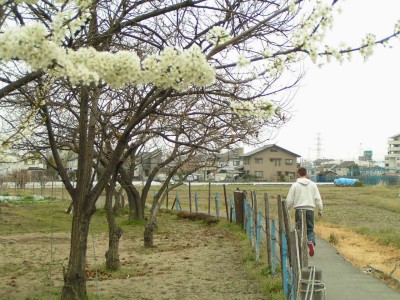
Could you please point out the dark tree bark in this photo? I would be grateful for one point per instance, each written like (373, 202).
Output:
(149, 234)
(114, 233)
(75, 277)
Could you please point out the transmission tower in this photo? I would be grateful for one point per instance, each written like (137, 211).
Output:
(318, 146)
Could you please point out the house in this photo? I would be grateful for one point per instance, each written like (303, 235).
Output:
(271, 163)
(392, 159)
(326, 176)
(9, 163)
(347, 168)
(147, 161)
(231, 163)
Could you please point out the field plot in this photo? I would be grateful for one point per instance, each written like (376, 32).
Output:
(191, 260)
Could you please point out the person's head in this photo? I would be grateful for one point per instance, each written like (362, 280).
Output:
(302, 172)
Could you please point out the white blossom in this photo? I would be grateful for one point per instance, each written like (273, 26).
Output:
(170, 68)
(261, 108)
(218, 35)
(243, 61)
(397, 27)
(367, 46)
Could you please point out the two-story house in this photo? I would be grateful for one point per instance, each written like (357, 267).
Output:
(347, 168)
(231, 163)
(392, 159)
(271, 163)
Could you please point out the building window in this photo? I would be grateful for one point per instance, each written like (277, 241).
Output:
(236, 162)
(289, 161)
(259, 174)
(258, 160)
(246, 161)
(274, 150)
(277, 162)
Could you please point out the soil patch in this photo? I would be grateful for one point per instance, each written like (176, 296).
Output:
(191, 261)
(363, 252)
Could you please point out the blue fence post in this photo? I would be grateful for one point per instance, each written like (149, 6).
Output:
(284, 265)
(233, 210)
(177, 204)
(217, 204)
(247, 214)
(251, 225)
(196, 201)
(273, 247)
(258, 237)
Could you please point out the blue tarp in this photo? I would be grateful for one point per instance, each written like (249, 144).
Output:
(345, 181)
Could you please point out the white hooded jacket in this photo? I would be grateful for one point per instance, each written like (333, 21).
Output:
(304, 194)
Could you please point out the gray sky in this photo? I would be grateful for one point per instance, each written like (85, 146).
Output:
(354, 106)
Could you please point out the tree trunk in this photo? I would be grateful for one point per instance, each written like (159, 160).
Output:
(148, 234)
(135, 209)
(151, 225)
(118, 202)
(114, 234)
(75, 278)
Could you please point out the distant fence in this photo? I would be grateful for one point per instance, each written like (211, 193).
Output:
(367, 180)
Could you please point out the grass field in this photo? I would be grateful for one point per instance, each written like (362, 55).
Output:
(370, 210)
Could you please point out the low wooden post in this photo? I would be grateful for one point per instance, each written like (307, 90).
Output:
(226, 204)
(239, 197)
(267, 229)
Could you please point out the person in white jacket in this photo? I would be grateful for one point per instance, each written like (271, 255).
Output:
(304, 195)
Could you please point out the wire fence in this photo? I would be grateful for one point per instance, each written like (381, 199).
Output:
(267, 225)
(284, 245)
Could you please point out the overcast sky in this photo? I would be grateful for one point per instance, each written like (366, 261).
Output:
(355, 106)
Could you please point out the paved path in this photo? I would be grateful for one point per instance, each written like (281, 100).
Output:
(343, 281)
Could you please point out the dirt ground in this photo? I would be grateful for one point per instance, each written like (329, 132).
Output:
(362, 251)
(191, 261)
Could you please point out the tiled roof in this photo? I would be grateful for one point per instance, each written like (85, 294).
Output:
(268, 147)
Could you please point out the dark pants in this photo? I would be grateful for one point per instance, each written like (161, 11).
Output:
(309, 221)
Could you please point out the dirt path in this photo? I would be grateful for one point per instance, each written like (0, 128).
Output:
(191, 261)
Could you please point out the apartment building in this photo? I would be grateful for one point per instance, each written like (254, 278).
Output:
(392, 159)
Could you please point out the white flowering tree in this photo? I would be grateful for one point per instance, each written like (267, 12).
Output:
(60, 61)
